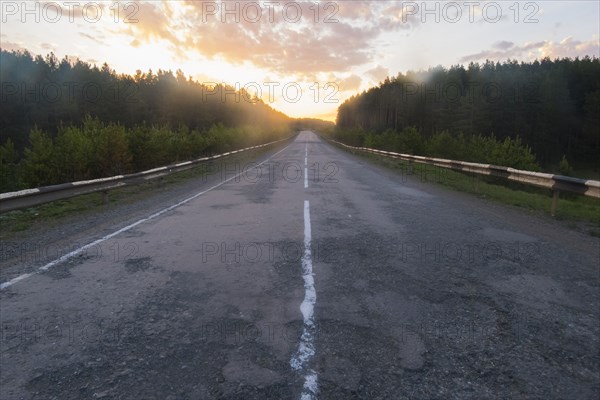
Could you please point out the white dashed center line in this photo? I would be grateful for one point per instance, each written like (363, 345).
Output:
(306, 167)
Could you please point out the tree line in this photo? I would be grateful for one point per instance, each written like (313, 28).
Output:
(550, 107)
(68, 120)
(96, 149)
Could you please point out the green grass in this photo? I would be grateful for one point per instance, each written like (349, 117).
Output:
(571, 207)
(21, 220)
(17, 221)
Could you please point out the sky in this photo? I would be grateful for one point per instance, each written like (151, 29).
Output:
(302, 58)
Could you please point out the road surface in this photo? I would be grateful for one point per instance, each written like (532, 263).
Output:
(312, 275)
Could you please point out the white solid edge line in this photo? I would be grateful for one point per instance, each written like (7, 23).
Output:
(73, 253)
(306, 347)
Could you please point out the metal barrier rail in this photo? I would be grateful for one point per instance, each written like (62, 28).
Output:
(556, 183)
(31, 197)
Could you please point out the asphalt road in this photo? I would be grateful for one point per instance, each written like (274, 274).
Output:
(347, 281)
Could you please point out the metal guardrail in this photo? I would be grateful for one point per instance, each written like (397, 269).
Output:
(31, 197)
(556, 183)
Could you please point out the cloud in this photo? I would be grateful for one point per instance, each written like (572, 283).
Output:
(11, 46)
(571, 48)
(503, 45)
(379, 73)
(355, 10)
(284, 47)
(152, 23)
(337, 38)
(74, 9)
(350, 83)
(90, 37)
(568, 47)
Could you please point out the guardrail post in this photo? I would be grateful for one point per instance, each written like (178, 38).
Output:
(105, 197)
(555, 194)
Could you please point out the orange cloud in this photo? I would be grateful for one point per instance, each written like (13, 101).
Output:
(293, 38)
(152, 23)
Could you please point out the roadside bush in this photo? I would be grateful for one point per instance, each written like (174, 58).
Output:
(444, 145)
(38, 167)
(96, 149)
(564, 168)
(512, 153)
(8, 167)
(473, 148)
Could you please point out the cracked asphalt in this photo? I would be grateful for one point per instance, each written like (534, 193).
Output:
(421, 293)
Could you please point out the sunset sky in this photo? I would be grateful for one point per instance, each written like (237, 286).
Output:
(289, 45)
